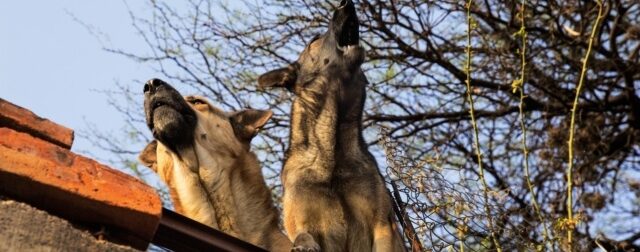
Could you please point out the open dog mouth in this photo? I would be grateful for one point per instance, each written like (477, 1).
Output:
(348, 40)
(157, 108)
(167, 114)
(348, 34)
(157, 104)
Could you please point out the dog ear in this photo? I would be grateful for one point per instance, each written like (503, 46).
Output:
(148, 155)
(284, 77)
(248, 122)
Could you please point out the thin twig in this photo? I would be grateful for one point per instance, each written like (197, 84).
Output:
(525, 152)
(475, 130)
(571, 223)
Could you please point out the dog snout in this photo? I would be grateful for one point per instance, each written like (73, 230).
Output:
(152, 85)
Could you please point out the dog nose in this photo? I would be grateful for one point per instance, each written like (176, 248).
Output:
(344, 3)
(152, 85)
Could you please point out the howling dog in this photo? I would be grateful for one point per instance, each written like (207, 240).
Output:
(334, 196)
(203, 155)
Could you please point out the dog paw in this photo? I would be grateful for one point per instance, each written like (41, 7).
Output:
(304, 243)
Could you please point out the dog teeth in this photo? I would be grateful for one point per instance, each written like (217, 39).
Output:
(347, 47)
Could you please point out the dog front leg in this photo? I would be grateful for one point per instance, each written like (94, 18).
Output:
(304, 242)
(314, 219)
(386, 238)
(297, 222)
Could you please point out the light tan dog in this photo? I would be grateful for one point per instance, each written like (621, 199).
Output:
(334, 197)
(203, 155)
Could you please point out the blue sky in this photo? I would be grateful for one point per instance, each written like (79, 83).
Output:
(52, 65)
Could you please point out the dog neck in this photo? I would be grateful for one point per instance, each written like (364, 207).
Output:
(241, 200)
(351, 105)
(314, 118)
(215, 170)
(194, 200)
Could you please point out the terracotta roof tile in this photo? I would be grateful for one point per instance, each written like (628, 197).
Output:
(75, 187)
(21, 119)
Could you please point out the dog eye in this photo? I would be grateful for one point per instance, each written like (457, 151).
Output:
(197, 102)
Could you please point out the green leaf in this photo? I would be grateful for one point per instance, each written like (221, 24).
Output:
(516, 84)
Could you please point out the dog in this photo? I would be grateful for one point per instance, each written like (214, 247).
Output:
(334, 196)
(203, 154)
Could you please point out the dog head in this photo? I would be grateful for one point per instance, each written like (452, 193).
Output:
(180, 123)
(334, 54)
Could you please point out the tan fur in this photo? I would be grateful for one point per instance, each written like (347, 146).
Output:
(148, 157)
(226, 189)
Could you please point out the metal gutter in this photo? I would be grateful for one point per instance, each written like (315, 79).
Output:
(179, 233)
